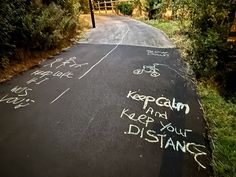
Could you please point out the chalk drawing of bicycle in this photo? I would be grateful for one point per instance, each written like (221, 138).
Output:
(152, 70)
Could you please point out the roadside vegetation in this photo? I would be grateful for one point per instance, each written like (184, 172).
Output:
(202, 31)
(32, 30)
(126, 8)
(35, 29)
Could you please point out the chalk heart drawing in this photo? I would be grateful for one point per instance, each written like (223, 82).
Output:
(149, 69)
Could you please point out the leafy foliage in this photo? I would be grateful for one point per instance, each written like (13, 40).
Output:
(211, 25)
(125, 8)
(84, 6)
(210, 54)
(46, 28)
(205, 39)
(28, 26)
(154, 8)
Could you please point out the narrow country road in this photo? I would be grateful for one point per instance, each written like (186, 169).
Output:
(117, 104)
(112, 29)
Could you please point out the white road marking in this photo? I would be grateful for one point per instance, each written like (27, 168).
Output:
(60, 95)
(105, 55)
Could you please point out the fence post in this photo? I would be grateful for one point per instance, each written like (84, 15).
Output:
(99, 7)
(105, 6)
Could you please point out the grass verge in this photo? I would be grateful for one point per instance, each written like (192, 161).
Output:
(219, 112)
(221, 116)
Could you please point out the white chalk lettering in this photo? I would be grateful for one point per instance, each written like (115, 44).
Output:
(18, 90)
(151, 133)
(151, 111)
(157, 53)
(58, 74)
(41, 73)
(61, 74)
(135, 130)
(143, 119)
(18, 101)
(180, 146)
(170, 143)
(176, 130)
(36, 80)
(155, 137)
(27, 103)
(56, 61)
(160, 101)
(165, 142)
(71, 63)
(43, 80)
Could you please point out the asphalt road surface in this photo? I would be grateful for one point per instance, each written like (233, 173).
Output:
(112, 29)
(105, 110)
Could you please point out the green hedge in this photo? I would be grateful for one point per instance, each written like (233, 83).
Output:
(27, 26)
(125, 8)
(209, 32)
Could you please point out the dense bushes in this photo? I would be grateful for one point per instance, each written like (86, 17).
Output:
(46, 28)
(207, 24)
(208, 27)
(209, 32)
(125, 8)
(210, 53)
(154, 8)
(84, 6)
(27, 26)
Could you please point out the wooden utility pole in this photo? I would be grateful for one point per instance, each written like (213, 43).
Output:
(92, 13)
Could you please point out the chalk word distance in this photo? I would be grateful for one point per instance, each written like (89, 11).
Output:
(159, 135)
(165, 142)
(152, 70)
(160, 101)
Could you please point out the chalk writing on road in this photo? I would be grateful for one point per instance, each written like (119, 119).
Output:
(157, 53)
(59, 74)
(143, 127)
(149, 69)
(162, 101)
(170, 128)
(18, 96)
(71, 62)
(154, 70)
(155, 113)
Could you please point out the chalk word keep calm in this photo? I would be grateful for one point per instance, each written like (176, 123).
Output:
(159, 101)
